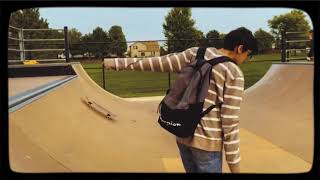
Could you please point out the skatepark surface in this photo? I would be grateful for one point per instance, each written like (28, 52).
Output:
(19, 85)
(60, 133)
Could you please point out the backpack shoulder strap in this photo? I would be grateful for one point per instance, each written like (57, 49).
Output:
(200, 57)
(220, 59)
(200, 53)
(214, 62)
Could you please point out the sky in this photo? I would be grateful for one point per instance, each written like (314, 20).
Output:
(146, 23)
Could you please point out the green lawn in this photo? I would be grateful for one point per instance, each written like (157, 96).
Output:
(267, 57)
(138, 84)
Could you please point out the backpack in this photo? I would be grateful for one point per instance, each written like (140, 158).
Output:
(182, 108)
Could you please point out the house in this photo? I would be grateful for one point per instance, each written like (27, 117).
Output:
(144, 49)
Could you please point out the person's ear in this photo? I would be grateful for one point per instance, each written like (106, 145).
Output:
(236, 49)
(240, 49)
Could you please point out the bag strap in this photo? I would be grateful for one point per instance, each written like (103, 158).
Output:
(220, 59)
(214, 62)
(208, 109)
(201, 52)
(200, 56)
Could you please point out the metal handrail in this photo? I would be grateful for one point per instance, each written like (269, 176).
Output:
(39, 60)
(42, 29)
(298, 41)
(296, 49)
(22, 41)
(297, 32)
(50, 60)
(14, 38)
(14, 28)
(10, 49)
(296, 58)
(30, 50)
(30, 40)
(10, 60)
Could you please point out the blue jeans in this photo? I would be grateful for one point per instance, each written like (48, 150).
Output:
(200, 161)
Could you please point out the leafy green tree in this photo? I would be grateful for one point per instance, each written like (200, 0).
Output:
(101, 37)
(295, 20)
(118, 43)
(86, 47)
(222, 35)
(30, 19)
(264, 39)
(163, 51)
(179, 25)
(201, 40)
(74, 37)
(213, 39)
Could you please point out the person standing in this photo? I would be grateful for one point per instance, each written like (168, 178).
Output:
(219, 129)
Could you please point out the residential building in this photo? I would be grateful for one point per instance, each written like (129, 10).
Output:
(144, 49)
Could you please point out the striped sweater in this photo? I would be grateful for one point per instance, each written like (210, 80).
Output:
(218, 129)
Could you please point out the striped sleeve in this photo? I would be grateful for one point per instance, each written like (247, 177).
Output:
(229, 113)
(169, 63)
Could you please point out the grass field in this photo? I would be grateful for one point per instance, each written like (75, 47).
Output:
(139, 84)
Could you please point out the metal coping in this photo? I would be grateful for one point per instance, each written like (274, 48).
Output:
(36, 70)
(18, 101)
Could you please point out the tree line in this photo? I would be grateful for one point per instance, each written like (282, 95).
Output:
(178, 28)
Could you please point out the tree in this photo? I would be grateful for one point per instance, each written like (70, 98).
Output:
(163, 51)
(86, 47)
(213, 39)
(179, 25)
(30, 19)
(101, 37)
(200, 38)
(294, 21)
(222, 35)
(74, 37)
(118, 40)
(264, 39)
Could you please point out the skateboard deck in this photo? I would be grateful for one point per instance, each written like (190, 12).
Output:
(98, 108)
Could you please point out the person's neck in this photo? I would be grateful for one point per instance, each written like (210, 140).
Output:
(228, 53)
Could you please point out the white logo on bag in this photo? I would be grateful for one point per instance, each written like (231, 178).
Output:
(170, 123)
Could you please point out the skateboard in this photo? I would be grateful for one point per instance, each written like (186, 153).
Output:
(98, 108)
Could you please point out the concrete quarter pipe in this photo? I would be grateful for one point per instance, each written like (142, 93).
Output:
(279, 107)
(60, 133)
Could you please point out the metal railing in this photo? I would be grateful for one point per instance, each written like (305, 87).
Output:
(286, 50)
(22, 50)
(286, 39)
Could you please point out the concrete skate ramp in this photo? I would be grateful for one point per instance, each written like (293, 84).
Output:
(59, 133)
(279, 108)
(19, 85)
